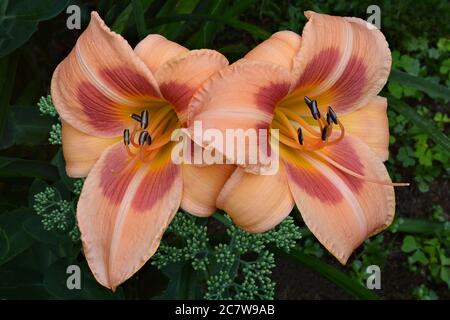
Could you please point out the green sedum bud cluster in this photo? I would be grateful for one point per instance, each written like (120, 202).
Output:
(46, 107)
(58, 214)
(55, 134)
(239, 267)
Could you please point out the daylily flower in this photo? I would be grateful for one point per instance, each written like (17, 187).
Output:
(118, 109)
(320, 90)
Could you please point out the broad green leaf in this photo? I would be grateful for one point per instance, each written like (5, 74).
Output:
(239, 25)
(122, 20)
(25, 126)
(21, 18)
(171, 7)
(433, 89)
(60, 245)
(4, 244)
(409, 244)
(18, 239)
(426, 125)
(8, 67)
(15, 167)
(409, 225)
(334, 275)
(138, 13)
(183, 283)
(418, 256)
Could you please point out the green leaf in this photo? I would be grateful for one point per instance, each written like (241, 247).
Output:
(21, 19)
(18, 239)
(138, 13)
(55, 282)
(8, 67)
(34, 227)
(183, 284)
(334, 275)
(422, 123)
(418, 256)
(4, 244)
(15, 167)
(252, 29)
(433, 89)
(409, 244)
(25, 126)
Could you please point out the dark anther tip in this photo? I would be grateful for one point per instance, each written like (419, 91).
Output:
(324, 133)
(149, 139)
(136, 117)
(315, 110)
(144, 119)
(333, 115)
(329, 120)
(308, 101)
(126, 137)
(143, 137)
(300, 135)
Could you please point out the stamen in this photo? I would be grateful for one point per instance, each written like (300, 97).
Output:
(144, 119)
(126, 137)
(143, 137)
(332, 115)
(312, 105)
(301, 121)
(300, 135)
(324, 133)
(286, 123)
(136, 117)
(149, 139)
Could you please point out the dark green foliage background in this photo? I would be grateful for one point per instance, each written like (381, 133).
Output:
(413, 253)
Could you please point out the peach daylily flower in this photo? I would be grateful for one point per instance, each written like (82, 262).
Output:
(118, 109)
(331, 158)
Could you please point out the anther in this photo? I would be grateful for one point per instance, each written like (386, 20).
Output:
(300, 135)
(312, 105)
(324, 133)
(143, 137)
(144, 119)
(308, 101)
(149, 139)
(136, 117)
(329, 120)
(126, 137)
(332, 115)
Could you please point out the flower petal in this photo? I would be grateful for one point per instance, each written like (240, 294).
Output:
(101, 82)
(155, 50)
(242, 96)
(256, 203)
(124, 208)
(201, 186)
(81, 150)
(341, 210)
(280, 49)
(181, 77)
(370, 124)
(342, 61)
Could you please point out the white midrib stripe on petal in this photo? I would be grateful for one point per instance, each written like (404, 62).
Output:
(122, 213)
